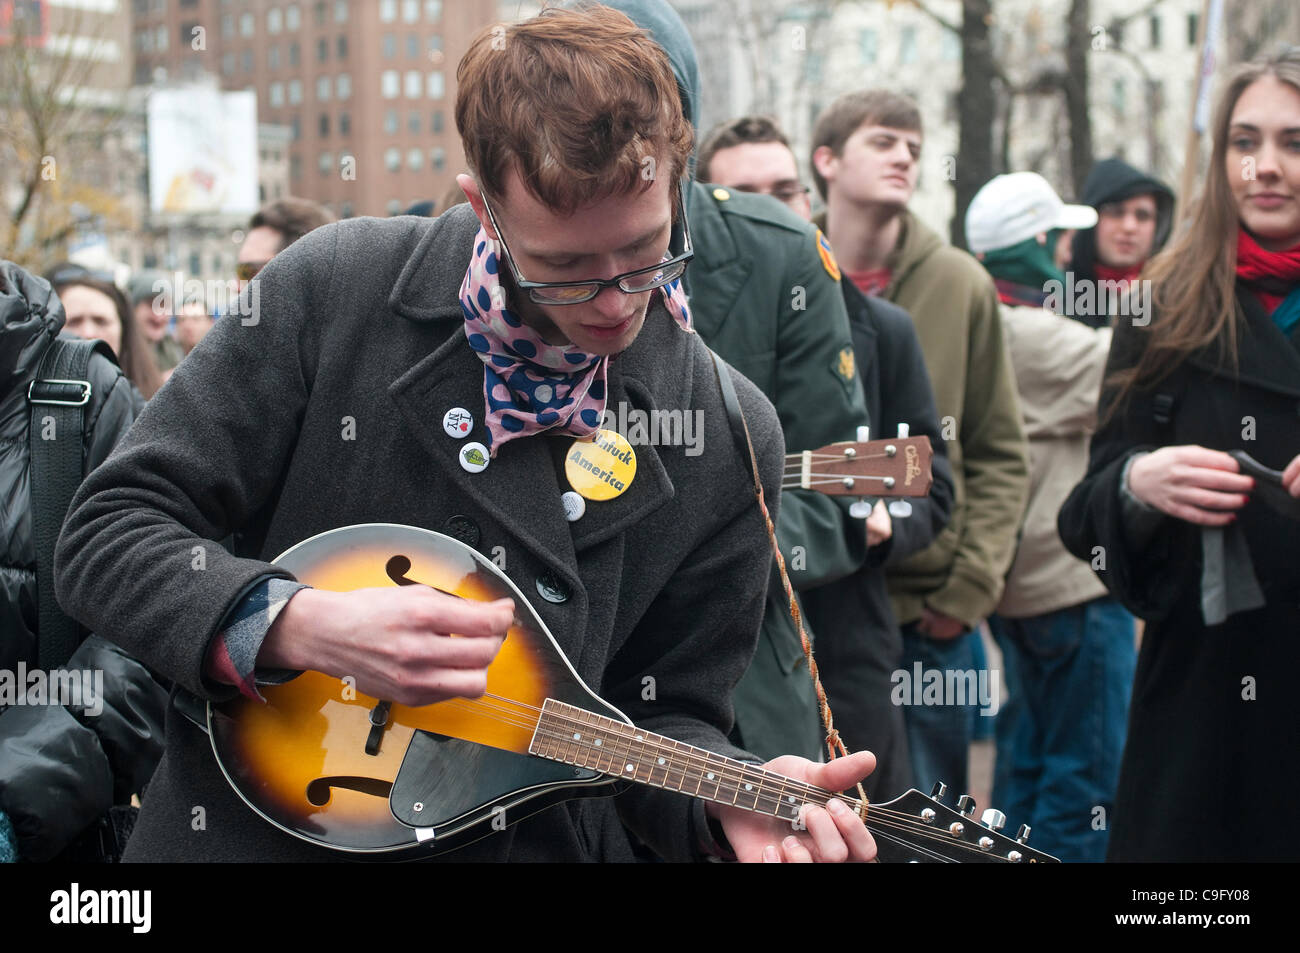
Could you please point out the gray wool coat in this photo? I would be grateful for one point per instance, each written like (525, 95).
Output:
(328, 412)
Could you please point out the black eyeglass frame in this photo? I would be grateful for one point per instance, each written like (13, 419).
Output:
(681, 229)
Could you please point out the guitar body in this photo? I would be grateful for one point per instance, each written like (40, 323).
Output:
(442, 773)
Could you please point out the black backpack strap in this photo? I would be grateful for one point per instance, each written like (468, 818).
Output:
(58, 398)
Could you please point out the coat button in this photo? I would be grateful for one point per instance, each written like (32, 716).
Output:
(464, 529)
(552, 588)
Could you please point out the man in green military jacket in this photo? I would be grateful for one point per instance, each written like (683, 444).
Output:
(764, 292)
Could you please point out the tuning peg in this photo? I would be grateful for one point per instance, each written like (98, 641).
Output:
(904, 430)
(900, 508)
(864, 434)
(993, 819)
(937, 792)
(861, 509)
(966, 805)
(1022, 835)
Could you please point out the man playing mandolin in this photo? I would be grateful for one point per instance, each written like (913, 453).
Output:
(438, 374)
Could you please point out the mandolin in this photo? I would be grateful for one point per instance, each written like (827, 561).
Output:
(342, 770)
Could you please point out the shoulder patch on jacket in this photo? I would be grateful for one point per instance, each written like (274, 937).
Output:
(827, 256)
(845, 366)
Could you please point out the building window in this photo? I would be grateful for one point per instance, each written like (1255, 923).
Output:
(295, 91)
(388, 46)
(949, 47)
(276, 94)
(390, 122)
(245, 24)
(907, 45)
(341, 47)
(324, 123)
(1118, 96)
(227, 25)
(438, 158)
(195, 266)
(393, 159)
(319, 12)
(323, 88)
(274, 21)
(436, 125)
(273, 57)
(412, 46)
(295, 168)
(246, 60)
(293, 53)
(394, 206)
(411, 11)
(1193, 27)
(340, 11)
(1154, 22)
(415, 160)
(188, 33)
(432, 10)
(345, 124)
(867, 46)
(413, 121)
(295, 128)
(227, 64)
(435, 84)
(390, 84)
(413, 83)
(387, 11)
(345, 210)
(160, 39)
(435, 43)
(326, 163)
(322, 51)
(343, 85)
(292, 18)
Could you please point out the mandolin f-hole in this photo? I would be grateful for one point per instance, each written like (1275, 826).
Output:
(320, 790)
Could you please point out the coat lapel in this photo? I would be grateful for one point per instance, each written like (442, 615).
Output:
(1265, 357)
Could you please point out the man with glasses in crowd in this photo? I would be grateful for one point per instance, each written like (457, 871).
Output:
(273, 228)
(372, 332)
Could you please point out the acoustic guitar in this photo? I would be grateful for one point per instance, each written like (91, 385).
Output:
(339, 769)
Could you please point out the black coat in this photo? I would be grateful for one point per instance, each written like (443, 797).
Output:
(1213, 752)
(60, 769)
(859, 645)
(328, 412)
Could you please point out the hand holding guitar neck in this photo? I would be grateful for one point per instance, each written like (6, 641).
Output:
(396, 643)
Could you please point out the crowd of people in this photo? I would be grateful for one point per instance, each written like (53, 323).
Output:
(1112, 395)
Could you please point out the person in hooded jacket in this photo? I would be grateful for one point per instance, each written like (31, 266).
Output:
(61, 768)
(1134, 218)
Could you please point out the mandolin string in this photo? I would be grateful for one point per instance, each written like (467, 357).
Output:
(878, 817)
(727, 770)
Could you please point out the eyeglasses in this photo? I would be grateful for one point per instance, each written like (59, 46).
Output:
(247, 270)
(632, 282)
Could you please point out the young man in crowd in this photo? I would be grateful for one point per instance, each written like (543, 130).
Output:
(859, 645)
(1134, 218)
(866, 159)
(273, 228)
(391, 324)
(1068, 646)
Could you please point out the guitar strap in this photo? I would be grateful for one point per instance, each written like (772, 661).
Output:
(740, 430)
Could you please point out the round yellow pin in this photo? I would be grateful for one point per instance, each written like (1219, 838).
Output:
(602, 466)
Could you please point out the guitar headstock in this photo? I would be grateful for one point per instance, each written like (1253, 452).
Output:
(920, 829)
(899, 466)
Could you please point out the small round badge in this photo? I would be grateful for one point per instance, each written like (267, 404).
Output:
(458, 422)
(474, 457)
(574, 505)
(602, 466)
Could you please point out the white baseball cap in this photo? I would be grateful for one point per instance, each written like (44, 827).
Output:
(1012, 208)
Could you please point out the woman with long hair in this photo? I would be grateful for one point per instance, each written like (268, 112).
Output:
(1190, 510)
(96, 308)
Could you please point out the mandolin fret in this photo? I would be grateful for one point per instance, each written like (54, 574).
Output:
(575, 736)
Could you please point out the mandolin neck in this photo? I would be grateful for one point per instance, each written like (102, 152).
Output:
(575, 736)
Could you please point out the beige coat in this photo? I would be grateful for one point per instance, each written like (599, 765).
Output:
(1058, 364)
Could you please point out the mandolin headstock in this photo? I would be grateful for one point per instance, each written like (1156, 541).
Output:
(919, 829)
(895, 467)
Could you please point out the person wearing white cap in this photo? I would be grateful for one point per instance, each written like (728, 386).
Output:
(1068, 647)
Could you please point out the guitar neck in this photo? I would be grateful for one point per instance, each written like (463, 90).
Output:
(575, 736)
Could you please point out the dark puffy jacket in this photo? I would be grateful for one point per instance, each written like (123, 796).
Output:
(60, 769)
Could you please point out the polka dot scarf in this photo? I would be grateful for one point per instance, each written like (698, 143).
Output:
(529, 385)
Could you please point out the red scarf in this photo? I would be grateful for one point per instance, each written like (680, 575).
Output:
(871, 281)
(1107, 273)
(1274, 274)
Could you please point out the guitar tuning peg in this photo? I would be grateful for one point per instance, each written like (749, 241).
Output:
(864, 434)
(904, 430)
(993, 819)
(1022, 835)
(900, 508)
(861, 509)
(966, 805)
(937, 792)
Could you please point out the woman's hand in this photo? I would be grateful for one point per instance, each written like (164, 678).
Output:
(1193, 483)
(1291, 477)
